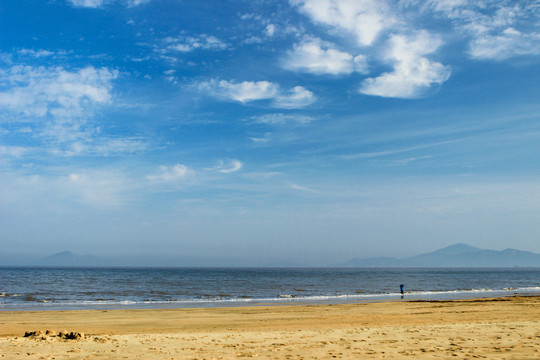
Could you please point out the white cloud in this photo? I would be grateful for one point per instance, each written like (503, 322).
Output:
(303, 188)
(99, 146)
(100, 3)
(297, 97)
(227, 167)
(35, 54)
(37, 91)
(105, 146)
(248, 91)
(270, 30)
(279, 119)
(494, 29)
(170, 77)
(497, 30)
(253, 40)
(369, 21)
(170, 173)
(87, 3)
(131, 3)
(233, 166)
(6, 58)
(189, 43)
(413, 73)
(363, 18)
(508, 44)
(243, 92)
(60, 101)
(13, 151)
(317, 57)
(267, 137)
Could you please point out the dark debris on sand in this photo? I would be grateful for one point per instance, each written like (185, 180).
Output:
(64, 335)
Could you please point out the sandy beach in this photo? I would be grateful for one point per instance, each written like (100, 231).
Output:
(507, 328)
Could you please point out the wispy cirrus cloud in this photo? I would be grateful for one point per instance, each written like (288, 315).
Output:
(55, 107)
(13, 151)
(280, 119)
(191, 43)
(509, 43)
(180, 173)
(249, 91)
(100, 3)
(35, 53)
(497, 29)
(57, 101)
(262, 29)
(266, 138)
(38, 91)
(107, 145)
(87, 3)
(227, 167)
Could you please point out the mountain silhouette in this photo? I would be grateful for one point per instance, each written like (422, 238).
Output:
(67, 258)
(457, 255)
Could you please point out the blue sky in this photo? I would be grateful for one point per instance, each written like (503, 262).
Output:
(264, 133)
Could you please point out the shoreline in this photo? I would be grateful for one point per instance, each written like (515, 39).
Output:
(484, 327)
(278, 301)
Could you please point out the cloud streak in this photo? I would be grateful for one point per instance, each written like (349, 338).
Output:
(282, 119)
(509, 43)
(249, 91)
(227, 167)
(189, 43)
(100, 3)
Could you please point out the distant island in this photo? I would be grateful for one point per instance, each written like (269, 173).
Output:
(453, 256)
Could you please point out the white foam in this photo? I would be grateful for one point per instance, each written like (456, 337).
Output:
(279, 299)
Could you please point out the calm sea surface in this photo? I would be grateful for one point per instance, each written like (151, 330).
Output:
(102, 288)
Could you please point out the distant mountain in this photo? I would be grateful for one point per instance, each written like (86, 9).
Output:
(67, 258)
(458, 255)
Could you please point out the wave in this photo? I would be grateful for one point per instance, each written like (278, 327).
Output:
(279, 299)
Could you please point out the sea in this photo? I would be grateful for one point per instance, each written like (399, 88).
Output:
(25, 288)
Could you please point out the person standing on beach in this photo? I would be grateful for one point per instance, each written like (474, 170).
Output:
(401, 289)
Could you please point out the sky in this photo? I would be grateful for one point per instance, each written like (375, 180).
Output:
(268, 133)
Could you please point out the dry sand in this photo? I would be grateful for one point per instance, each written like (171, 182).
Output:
(507, 328)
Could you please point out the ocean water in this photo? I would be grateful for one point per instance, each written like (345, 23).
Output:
(112, 288)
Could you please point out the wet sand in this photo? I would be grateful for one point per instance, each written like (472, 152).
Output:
(506, 328)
